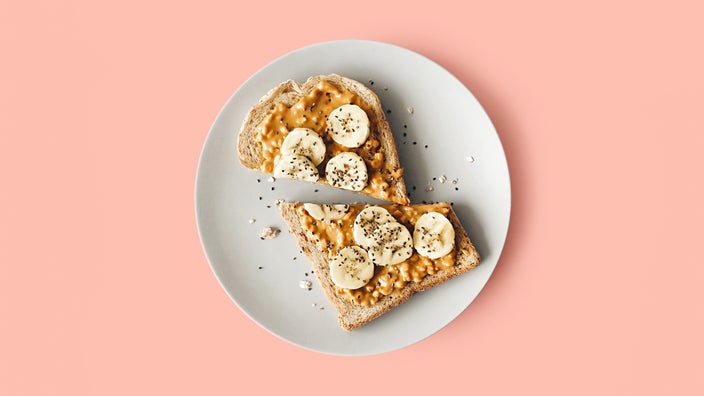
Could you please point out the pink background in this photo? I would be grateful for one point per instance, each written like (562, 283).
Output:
(104, 288)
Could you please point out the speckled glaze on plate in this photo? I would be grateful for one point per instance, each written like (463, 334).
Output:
(440, 130)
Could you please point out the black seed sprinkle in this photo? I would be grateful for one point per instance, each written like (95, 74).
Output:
(371, 82)
(259, 267)
(259, 180)
(457, 188)
(414, 188)
(426, 146)
(272, 189)
(268, 206)
(260, 198)
(415, 142)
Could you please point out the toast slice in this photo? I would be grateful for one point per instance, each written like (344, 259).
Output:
(321, 240)
(292, 105)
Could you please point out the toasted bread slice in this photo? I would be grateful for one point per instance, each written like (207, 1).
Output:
(311, 236)
(291, 105)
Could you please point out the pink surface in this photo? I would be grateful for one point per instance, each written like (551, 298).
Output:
(104, 288)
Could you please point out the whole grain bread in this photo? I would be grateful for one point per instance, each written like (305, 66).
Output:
(352, 316)
(288, 93)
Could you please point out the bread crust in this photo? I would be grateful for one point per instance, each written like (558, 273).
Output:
(289, 92)
(352, 316)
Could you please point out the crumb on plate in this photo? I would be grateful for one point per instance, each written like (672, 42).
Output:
(269, 232)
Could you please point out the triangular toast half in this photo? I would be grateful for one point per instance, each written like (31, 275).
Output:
(322, 239)
(292, 105)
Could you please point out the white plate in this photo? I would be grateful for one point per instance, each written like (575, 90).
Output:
(262, 276)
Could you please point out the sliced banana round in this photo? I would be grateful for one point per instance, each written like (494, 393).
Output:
(335, 212)
(325, 211)
(348, 125)
(305, 142)
(315, 211)
(433, 236)
(296, 167)
(348, 171)
(351, 268)
(367, 221)
(390, 244)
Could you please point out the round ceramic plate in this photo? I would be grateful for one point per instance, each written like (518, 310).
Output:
(441, 132)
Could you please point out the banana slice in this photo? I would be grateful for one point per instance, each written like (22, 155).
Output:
(390, 244)
(347, 170)
(315, 211)
(433, 236)
(296, 167)
(305, 142)
(351, 268)
(367, 221)
(326, 212)
(348, 125)
(335, 212)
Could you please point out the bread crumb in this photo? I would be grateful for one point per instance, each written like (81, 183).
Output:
(442, 178)
(269, 232)
(305, 284)
(470, 159)
(279, 202)
(410, 110)
(271, 179)
(429, 188)
(454, 181)
(251, 221)
(314, 305)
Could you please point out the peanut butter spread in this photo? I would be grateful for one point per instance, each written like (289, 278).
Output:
(311, 111)
(332, 235)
